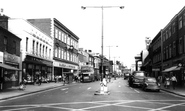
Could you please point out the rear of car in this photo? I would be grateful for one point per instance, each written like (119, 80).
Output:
(150, 83)
(137, 78)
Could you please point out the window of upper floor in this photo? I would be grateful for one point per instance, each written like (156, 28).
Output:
(180, 45)
(184, 19)
(56, 33)
(174, 48)
(167, 52)
(169, 31)
(166, 34)
(27, 43)
(173, 28)
(14, 47)
(164, 37)
(170, 51)
(180, 22)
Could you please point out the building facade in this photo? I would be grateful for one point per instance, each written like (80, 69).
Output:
(36, 50)
(9, 56)
(65, 47)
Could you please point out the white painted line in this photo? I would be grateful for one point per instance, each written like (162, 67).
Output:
(162, 108)
(88, 88)
(34, 93)
(136, 91)
(64, 89)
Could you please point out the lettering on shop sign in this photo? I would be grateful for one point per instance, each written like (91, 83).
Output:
(67, 66)
(11, 58)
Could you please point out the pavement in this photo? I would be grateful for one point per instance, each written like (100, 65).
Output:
(15, 92)
(179, 90)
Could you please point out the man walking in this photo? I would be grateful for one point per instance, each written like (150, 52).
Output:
(174, 80)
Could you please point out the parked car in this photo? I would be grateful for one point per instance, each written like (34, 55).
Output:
(136, 79)
(150, 83)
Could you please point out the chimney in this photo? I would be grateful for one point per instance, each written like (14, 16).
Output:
(1, 12)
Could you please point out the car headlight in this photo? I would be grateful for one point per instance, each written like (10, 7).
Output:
(136, 80)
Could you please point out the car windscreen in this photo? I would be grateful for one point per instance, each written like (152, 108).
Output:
(153, 80)
(139, 74)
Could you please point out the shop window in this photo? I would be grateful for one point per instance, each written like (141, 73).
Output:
(10, 76)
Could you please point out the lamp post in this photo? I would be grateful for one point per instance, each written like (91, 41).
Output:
(109, 50)
(102, 7)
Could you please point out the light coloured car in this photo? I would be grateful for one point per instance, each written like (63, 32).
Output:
(150, 83)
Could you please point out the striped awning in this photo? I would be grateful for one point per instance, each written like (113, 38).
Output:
(170, 69)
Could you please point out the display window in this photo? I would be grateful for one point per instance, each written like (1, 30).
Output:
(10, 75)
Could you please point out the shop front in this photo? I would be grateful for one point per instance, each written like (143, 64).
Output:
(61, 69)
(9, 70)
(35, 68)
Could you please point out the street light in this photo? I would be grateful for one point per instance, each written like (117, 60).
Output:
(109, 50)
(102, 7)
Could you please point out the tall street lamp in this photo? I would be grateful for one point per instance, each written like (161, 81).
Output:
(102, 7)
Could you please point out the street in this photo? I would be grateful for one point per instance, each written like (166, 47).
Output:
(80, 96)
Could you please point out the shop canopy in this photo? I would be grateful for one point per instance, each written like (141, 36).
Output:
(8, 67)
(170, 69)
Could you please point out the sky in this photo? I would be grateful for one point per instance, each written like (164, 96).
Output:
(124, 30)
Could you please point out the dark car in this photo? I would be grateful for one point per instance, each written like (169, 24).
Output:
(136, 79)
(150, 83)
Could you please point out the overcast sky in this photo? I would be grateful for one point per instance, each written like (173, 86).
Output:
(126, 28)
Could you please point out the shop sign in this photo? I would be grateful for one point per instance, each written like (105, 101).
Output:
(157, 69)
(64, 65)
(11, 58)
(1, 57)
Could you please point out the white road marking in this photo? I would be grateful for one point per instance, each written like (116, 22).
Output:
(120, 103)
(88, 88)
(64, 89)
(173, 105)
(136, 91)
(34, 93)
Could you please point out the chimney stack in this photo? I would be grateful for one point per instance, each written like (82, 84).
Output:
(1, 12)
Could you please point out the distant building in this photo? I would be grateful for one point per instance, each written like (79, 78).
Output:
(65, 56)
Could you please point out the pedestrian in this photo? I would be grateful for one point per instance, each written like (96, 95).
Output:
(167, 82)
(174, 80)
(64, 79)
(40, 81)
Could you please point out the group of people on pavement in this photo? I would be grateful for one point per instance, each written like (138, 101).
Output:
(168, 81)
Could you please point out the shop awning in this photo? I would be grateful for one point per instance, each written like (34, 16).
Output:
(178, 68)
(9, 67)
(170, 69)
